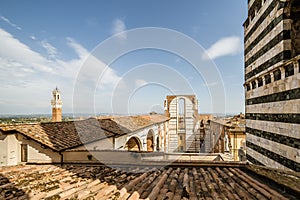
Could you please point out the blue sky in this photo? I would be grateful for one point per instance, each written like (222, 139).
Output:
(43, 44)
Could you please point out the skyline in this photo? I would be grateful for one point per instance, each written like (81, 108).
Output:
(45, 46)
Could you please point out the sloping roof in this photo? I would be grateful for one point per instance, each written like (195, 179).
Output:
(128, 124)
(235, 124)
(64, 135)
(101, 182)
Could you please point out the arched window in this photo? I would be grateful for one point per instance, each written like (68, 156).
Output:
(289, 70)
(277, 75)
(267, 79)
(260, 82)
(253, 83)
(181, 107)
(181, 113)
(248, 87)
(150, 141)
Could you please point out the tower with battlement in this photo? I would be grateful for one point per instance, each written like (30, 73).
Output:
(56, 106)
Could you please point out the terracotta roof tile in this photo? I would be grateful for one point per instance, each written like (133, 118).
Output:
(63, 135)
(101, 182)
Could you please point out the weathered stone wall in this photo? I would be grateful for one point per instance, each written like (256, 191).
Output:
(272, 45)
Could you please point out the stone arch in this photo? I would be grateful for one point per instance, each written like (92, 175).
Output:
(150, 140)
(133, 144)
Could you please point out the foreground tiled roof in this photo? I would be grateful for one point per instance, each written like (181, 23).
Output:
(101, 182)
(64, 135)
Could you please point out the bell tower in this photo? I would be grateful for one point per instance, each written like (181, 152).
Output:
(56, 105)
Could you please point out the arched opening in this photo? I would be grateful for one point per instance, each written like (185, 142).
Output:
(133, 144)
(150, 141)
(181, 113)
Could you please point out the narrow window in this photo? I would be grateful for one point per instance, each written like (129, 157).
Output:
(258, 7)
(248, 87)
(253, 84)
(181, 113)
(90, 157)
(260, 82)
(277, 75)
(289, 70)
(267, 79)
(24, 152)
(252, 15)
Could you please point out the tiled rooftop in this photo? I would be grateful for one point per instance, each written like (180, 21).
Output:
(101, 182)
(63, 135)
(235, 123)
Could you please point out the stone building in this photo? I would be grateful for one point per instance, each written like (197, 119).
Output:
(226, 135)
(82, 141)
(183, 113)
(272, 83)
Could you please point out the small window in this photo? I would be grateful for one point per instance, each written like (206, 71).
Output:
(248, 87)
(289, 70)
(260, 82)
(24, 152)
(258, 7)
(267, 79)
(180, 137)
(253, 85)
(90, 157)
(57, 96)
(181, 148)
(246, 24)
(252, 15)
(277, 75)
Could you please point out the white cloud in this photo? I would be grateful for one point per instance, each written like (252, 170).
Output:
(118, 28)
(51, 50)
(140, 82)
(10, 23)
(15, 51)
(223, 47)
(27, 73)
(81, 52)
(32, 37)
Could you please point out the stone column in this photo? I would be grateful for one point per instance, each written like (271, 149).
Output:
(256, 83)
(263, 80)
(272, 76)
(296, 67)
(282, 71)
